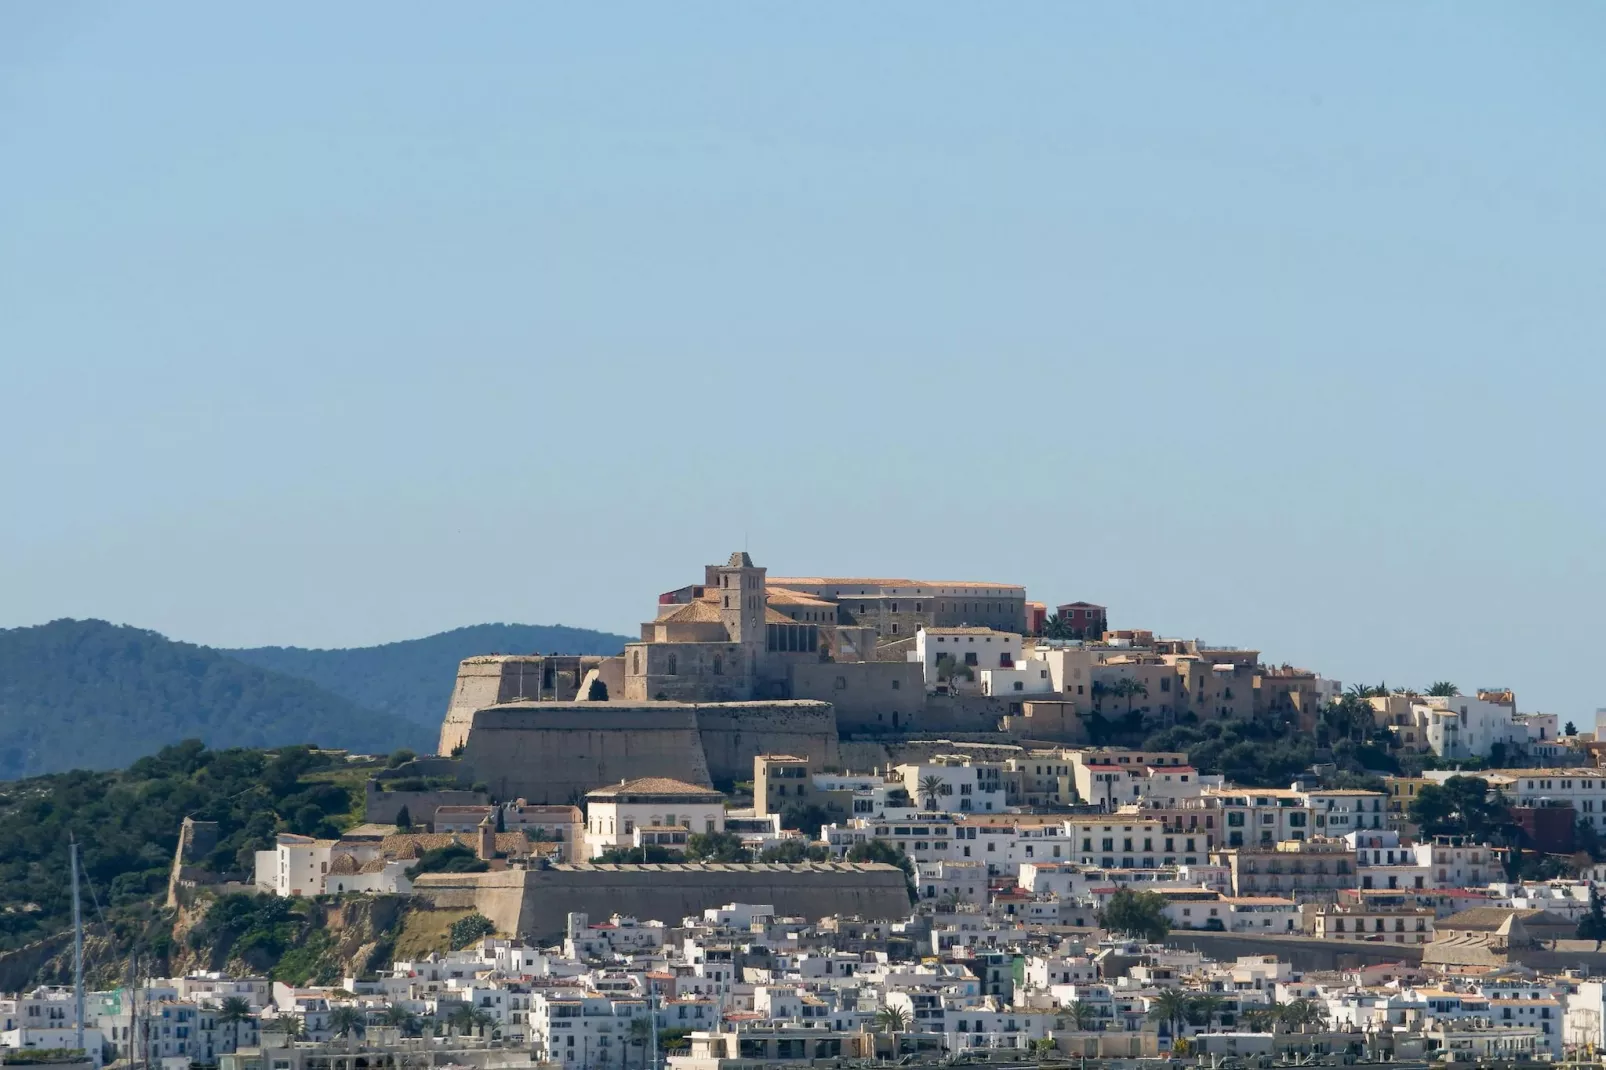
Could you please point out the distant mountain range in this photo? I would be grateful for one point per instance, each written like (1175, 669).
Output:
(85, 694)
(413, 679)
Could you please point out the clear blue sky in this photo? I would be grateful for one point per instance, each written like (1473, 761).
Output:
(1279, 325)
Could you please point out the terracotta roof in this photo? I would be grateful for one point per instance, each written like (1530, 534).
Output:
(571, 813)
(651, 785)
(785, 596)
(774, 617)
(964, 631)
(343, 864)
(699, 612)
(861, 581)
(405, 845)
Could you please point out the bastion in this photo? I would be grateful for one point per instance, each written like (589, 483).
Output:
(554, 752)
(535, 903)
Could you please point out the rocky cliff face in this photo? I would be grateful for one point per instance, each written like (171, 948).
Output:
(298, 941)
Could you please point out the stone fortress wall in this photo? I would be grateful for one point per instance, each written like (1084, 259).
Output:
(490, 679)
(535, 903)
(554, 752)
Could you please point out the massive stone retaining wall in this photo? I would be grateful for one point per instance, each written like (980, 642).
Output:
(553, 752)
(734, 733)
(535, 903)
(550, 752)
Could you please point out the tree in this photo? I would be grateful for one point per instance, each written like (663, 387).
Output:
(1443, 689)
(466, 930)
(453, 858)
(627, 856)
(1570, 729)
(402, 1019)
(1170, 1009)
(404, 820)
(1300, 1013)
(1202, 1009)
(483, 1022)
(461, 1019)
(1461, 806)
(1592, 926)
(950, 669)
(399, 757)
(892, 1020)
(291, 1026)
(1258, 1019)
(795, 851)
(884, 852)
(231, 1012)
(931, 786)
(597, 692)
(640, 1035)
(715, 847)
(1081, 1014)
(807, 819)
(1136, 914)
(348, 1022)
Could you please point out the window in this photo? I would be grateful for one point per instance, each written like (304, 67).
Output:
(670, 665)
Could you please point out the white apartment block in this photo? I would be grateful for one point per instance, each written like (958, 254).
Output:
(972, 649)
(963, 785)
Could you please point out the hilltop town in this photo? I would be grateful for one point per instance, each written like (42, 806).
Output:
(809, 820)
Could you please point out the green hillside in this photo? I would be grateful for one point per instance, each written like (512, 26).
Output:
(128, 821)
(85, 694)
(413, 679)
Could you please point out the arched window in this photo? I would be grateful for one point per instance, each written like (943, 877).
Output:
(635, 662)
(670, 665)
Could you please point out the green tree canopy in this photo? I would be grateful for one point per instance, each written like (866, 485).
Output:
(716, 847)
(1461, 806)
(1136, 914)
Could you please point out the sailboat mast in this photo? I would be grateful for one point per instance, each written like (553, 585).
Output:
(77, 949)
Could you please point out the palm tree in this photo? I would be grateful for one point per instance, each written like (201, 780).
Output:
(1443, 689)
(461, 1020)
(1203, 1009)
(892, 1020)
(1259, 1019)
(483, 1021)
(1082, 1015)
(1171, 1008)
(348, 1022)
(404, 1020)
(931, 789)
(1057, 627)
(641, 1030)
(290, 1025)
(232, 1012)
(1299, 1013)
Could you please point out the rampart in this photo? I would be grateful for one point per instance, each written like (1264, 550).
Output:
(489, 679)
(552, 752)
(555, 752)
(535, 903)
(734, 733)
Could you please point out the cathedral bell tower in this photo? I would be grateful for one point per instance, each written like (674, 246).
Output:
(742, 598)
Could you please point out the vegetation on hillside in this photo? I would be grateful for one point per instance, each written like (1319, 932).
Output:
(413, 679)
(85, 694)
(127, 824)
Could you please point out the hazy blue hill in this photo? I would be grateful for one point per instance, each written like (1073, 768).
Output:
(413, 679)
(85, 694)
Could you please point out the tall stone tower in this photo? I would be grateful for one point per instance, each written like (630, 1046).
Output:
(742, 600)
